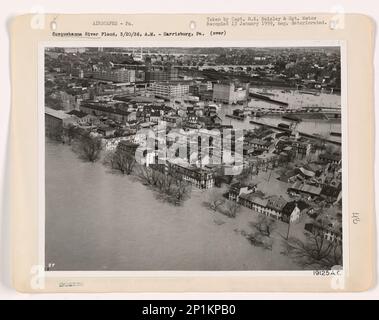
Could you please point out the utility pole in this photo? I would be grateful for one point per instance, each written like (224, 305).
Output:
(288, 230)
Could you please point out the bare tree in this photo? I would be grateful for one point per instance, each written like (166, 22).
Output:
(173, 188)
(124, 162)
(215, 200)
(262, 231)
(264, 226)
(148, 176)
(165, 183)
(231, 208)
(170, 185)
(71, 132)
(316, 252)
(182, 189)
(90, 147)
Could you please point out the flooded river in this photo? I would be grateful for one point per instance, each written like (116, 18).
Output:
(294, 99)
(98, 220)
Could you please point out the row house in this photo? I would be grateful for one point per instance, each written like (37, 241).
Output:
(330, 158)
(330, 233)
(271, 206)
(304, 189)
(257, 144)
(275, 205)
(254, 202)
(146, 112)
(192, 121)
(110, 112)
(238, 188)
(155, 115)
(172, 120)
(200, 178)
(83, 118)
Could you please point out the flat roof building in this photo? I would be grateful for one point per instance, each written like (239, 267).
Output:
(169, 90)
(116, 75)
(228, 93)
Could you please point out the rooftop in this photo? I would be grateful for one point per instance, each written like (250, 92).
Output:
(303, 187)
(77, 113)
(254, 198)
(59, 114)
(276, 203)
(100, 107)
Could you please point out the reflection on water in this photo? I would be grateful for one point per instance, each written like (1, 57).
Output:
(309, 126)
(296, 99)
(97, 220)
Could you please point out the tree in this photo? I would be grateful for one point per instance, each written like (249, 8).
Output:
(215, 200)
(262, 231)
(182, 190)
(71, 132)
(108, 158)
(264, 226)
(147, 175)
(231, 208)
(170, 185)
(124, 162)
(165, 183)
(123, 158)
(316, 253)
(90, 147)
(55, 133)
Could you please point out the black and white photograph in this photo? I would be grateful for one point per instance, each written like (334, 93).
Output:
(193, 158)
